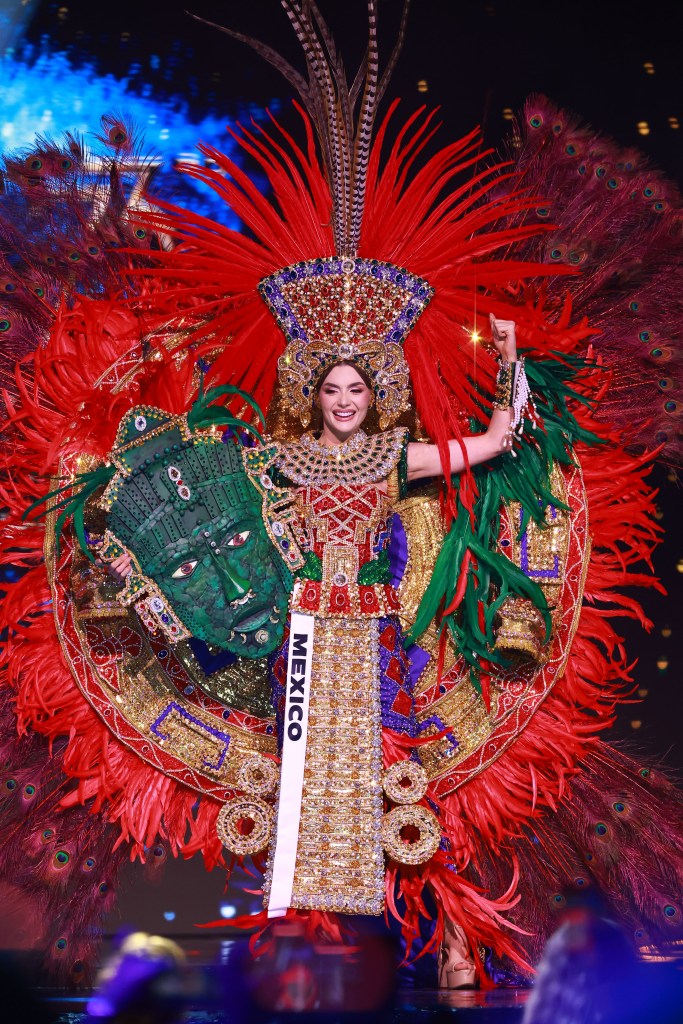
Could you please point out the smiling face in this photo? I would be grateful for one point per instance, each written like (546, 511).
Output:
(344, 398)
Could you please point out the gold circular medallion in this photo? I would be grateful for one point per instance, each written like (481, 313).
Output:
(257, 775)
(405, 782)
(403, 848)
(244, 825)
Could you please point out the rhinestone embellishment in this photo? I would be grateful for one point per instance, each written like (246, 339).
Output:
(405, 782)
(257, 776)
(405, 851)
(244, 809)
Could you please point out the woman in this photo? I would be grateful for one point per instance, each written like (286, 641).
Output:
(473, 236)
(328, 850)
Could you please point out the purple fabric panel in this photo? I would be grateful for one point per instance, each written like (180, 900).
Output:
(397, 549)
(418, 660)
(396, 688)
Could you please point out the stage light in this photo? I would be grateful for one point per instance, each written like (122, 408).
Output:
(227, 910)
(666, 631)
(679, 564)
(14, 20)
(189, 156)
(674, 122)
(636, 723)
(422, 85)
(649, 67)
(508, 114)
(475, 336)
(170, 128)
(662, 663)
(643, 692)
(643, 128)
(169, 915)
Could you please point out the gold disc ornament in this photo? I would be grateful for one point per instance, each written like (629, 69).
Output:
(244, 825)
(411, 817)
(405, 782)
(257, 776)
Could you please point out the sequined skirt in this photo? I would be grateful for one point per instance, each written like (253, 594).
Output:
(359, 681)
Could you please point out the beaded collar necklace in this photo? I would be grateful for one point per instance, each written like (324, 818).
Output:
(362, 459)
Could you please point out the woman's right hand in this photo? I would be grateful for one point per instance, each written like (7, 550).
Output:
(504, 338)
(121, 567)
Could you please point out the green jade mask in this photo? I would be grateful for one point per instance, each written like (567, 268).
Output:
(212, 540)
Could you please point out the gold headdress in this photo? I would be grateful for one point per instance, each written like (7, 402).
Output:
(345, 309)
(342, 307)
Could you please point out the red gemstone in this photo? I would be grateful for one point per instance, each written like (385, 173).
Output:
(395, 670)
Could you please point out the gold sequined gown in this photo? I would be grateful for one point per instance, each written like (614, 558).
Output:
(359, 676)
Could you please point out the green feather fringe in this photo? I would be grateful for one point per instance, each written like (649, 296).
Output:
(524, 479)
(72, 505)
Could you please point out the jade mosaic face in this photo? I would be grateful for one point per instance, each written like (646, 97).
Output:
(185, 507)
(222, 580)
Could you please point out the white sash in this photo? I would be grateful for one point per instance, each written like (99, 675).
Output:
(293, 761)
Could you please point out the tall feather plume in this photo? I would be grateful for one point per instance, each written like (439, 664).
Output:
(331, 104)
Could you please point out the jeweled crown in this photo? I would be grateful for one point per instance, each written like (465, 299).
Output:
(336, 309)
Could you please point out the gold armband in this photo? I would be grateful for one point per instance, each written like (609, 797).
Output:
(503, 396)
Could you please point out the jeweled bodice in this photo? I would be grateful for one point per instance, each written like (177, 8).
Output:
(347, 530)
(344, 513)
(344, 516)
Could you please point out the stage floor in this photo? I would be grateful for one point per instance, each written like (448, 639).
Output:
(654, 996)
(500, 1006)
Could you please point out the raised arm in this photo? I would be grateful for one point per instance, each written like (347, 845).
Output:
(424, 459)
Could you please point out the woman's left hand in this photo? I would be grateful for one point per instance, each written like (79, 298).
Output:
(503, 333)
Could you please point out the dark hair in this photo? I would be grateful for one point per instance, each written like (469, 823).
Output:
(344, 362)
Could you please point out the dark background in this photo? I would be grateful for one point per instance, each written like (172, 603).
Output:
(477, 58)
(478, 62)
